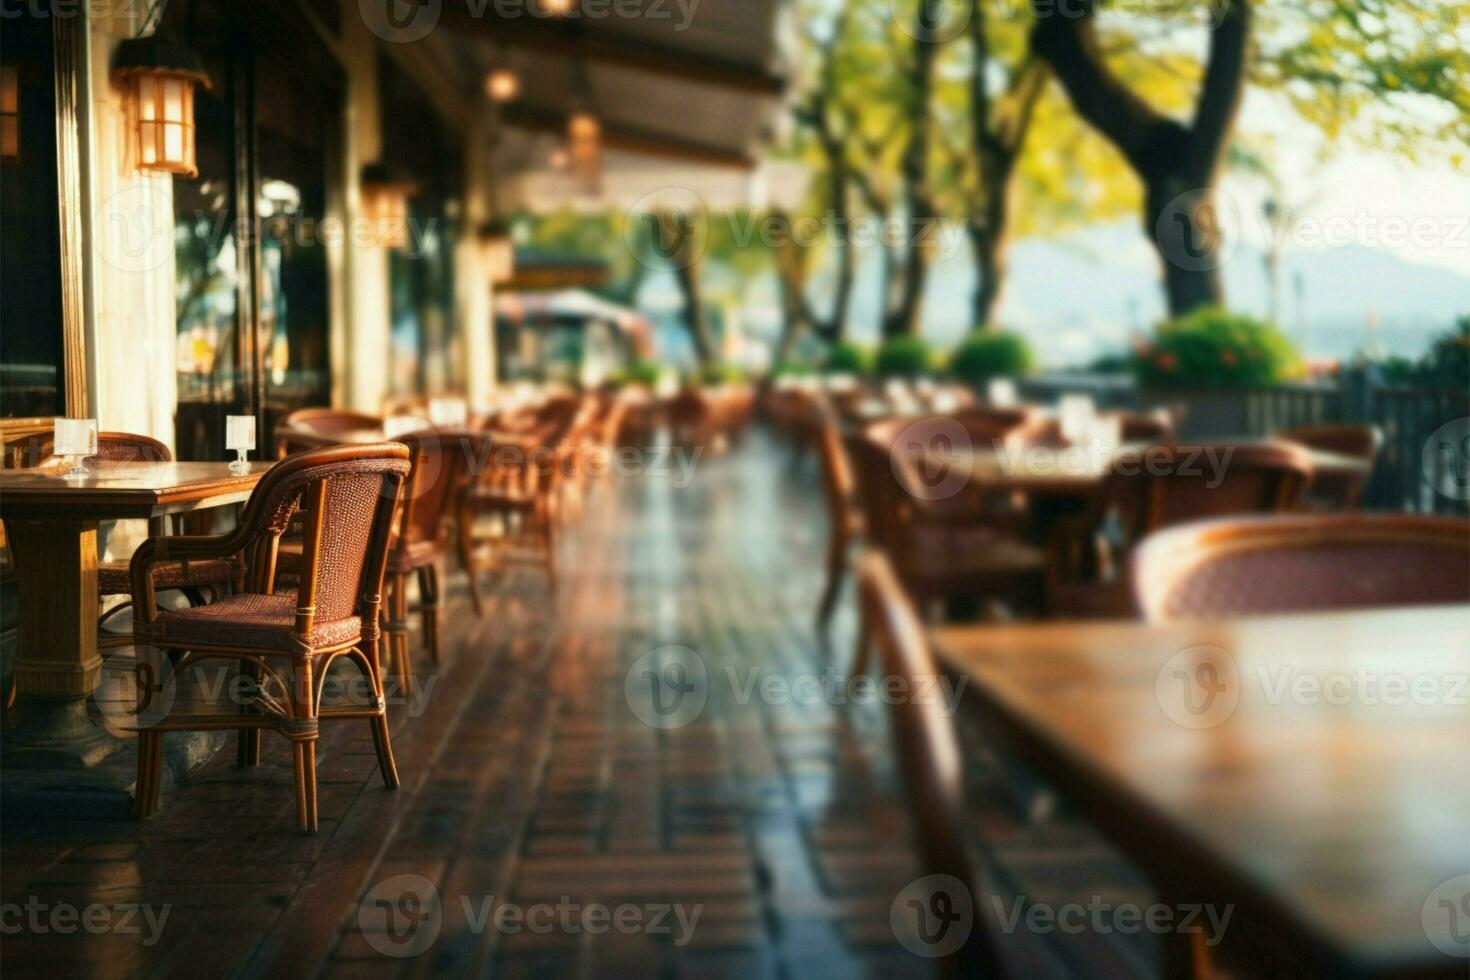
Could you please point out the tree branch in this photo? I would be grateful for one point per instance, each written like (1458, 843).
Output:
(1221, 94)
(1070, 45)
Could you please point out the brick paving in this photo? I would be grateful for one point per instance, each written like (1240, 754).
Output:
(532, 781)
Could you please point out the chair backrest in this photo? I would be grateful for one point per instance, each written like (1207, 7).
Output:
(118, 447)
(1338, 490)
(928, 755)
(1134, 427)
(838, 485)
(331, 421)
(1302, 562)
(1159, 486)
(439, 458)
(346, 496)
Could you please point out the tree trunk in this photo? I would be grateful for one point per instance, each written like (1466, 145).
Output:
(694, 318)
(678, 243)
(1177, 162)
(990, 235)
(1184, 225)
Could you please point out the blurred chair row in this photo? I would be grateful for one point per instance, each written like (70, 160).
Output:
(951, 535)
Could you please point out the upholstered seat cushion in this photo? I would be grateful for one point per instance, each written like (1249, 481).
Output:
(261, 622)
(115, 577)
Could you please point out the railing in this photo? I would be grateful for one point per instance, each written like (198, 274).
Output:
(1425, 463)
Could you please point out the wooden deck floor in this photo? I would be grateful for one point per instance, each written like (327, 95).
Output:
(759, 836)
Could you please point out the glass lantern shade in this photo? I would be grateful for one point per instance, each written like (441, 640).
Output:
(497, 252)
(385, 206)
(584, 145)
(158, 93)
(503, 85)
(9, 113)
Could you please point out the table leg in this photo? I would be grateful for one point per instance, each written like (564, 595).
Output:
(56, 664)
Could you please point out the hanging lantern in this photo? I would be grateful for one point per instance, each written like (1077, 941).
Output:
(497, 251)
(9, 113)
(385, 195)
(584, 145)
(158, 80)
(503, 85)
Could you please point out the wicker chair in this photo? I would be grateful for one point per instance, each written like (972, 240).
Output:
(313, 428)
(1338, 491)
(439, 460)
(113, 577)
(509, 512)
(839, 492)
(930, 759)
(1157, 487)
(1302, 562)
(965, 544)
(346, 496)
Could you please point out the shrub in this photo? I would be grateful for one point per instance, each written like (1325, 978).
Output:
(641, 371)
(720, 374)
(987, 354)
(904, 357)
(845, 357)
(1212, 347)
(1447, 363)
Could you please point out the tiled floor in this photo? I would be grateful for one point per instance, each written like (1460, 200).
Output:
(560, 815)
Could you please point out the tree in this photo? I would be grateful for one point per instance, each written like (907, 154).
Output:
(1177, 162)
(1334, 60)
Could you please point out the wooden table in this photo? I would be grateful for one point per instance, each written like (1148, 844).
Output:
(1328, 820)
(1077, 471)
(51, 527)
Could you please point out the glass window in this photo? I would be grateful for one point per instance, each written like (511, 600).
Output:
(32, 357)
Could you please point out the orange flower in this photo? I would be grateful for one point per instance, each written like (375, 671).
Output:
(1228, 358)
(1167, 361)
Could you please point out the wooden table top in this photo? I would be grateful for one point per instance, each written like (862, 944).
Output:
(1078, 468)
(114, 491)
(1324, 788)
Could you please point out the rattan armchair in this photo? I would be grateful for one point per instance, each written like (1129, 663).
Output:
(1302, 562)
(929, 757)
(1338, 490)
(439, 460)
(346, 496)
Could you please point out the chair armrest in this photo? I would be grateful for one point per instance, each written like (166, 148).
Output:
(156, 550)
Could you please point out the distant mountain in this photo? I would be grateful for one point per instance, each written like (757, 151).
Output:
(1082, 296)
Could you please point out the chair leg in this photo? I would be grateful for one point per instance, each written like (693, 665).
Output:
(836, 571)
(864, 649)
(429, 603)
(382, 743)
(303, 744)
(247, 741)
(150, 765)
(550, 545)
(466, 561)
(396, 629)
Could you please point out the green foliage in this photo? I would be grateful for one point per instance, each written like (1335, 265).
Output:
(641, 371)
(987, 354)
(1215, 348)
(793, 369)
(720, 374)
(1447, 363)
(846, 357)
(904, 357)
